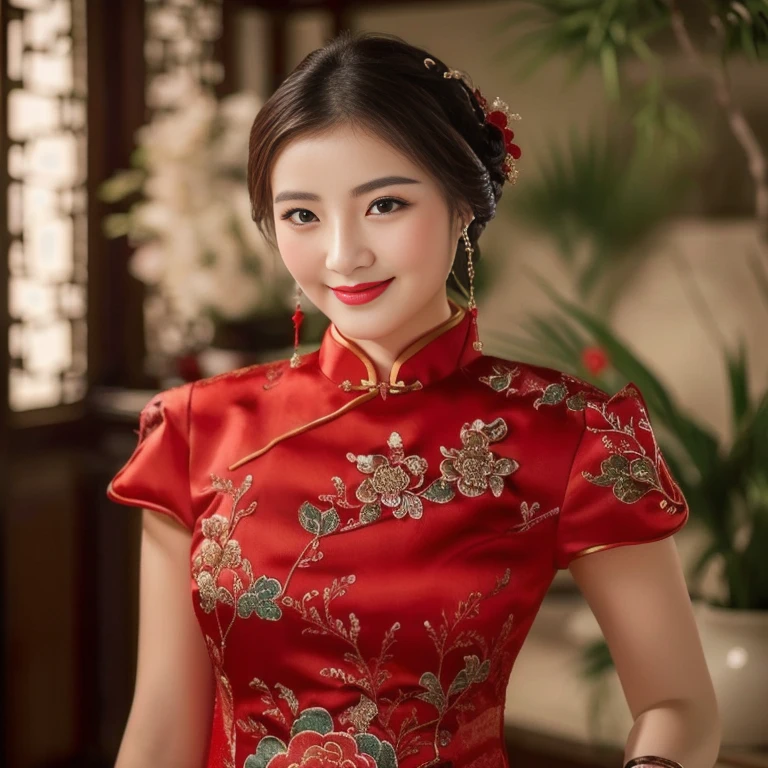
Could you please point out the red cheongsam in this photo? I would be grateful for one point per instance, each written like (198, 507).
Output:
(367, 557)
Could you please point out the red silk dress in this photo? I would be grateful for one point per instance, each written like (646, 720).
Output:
(367, 557)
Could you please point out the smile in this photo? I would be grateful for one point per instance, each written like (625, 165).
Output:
(362, 293)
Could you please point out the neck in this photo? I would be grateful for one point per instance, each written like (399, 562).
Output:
(384, 351)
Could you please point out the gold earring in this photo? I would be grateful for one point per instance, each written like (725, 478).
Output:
(472, 306)
(297, 317)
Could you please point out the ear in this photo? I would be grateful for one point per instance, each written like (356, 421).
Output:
(465, 218)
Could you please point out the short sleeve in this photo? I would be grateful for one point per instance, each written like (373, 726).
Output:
(620, 490)
(157, 474)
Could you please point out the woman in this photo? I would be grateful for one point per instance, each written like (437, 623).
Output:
(371, 527)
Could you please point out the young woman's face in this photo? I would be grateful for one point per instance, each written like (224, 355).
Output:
(349, 209)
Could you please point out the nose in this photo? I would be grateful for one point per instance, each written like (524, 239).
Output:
(347, 250)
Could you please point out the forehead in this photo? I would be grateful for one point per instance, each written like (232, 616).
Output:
(344, 153)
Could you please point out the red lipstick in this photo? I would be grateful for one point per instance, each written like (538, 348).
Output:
(361, 293)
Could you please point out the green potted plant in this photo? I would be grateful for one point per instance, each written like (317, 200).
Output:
(578, 200)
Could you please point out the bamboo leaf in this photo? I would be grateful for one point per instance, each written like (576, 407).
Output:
(610, 69)
(738, 377)
(701, 445)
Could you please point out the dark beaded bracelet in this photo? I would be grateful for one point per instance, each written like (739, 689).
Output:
(652, 760)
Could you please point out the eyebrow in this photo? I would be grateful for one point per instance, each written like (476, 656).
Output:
(362, 189)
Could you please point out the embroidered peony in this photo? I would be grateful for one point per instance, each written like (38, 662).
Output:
(309, 749)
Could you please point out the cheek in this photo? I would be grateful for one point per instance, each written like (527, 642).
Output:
(296, 253)
(424, 245)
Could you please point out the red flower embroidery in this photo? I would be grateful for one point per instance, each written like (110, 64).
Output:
(309, 749)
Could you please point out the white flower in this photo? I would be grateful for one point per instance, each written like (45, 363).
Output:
(151, 218)
(148, 263)
(239, 109)
(197, 244)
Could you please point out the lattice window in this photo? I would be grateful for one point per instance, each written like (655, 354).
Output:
(45, 132)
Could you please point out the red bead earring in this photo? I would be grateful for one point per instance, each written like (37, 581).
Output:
(297, 318)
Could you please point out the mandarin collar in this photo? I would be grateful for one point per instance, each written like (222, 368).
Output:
(431, 357)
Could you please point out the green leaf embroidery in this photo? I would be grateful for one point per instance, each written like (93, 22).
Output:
(310, 517)
(316, 719)
(441, 492)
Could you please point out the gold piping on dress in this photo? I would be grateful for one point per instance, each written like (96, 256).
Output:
(410, 351)
(456, 317)
(357, 351)
(601, 547)
(304, 428)
(373, 385)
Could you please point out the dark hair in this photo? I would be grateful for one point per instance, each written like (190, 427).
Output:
(380, 82)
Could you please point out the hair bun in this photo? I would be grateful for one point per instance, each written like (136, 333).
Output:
(494, 153)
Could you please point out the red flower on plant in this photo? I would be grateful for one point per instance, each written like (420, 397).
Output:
(309, 749)
(595, 360)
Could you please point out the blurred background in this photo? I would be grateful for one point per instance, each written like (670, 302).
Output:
(634, 247)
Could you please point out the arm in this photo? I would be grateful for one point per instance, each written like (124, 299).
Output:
(639, 597)
(172, 707)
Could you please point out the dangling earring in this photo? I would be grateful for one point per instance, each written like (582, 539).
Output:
(297, 317)
(477, 344)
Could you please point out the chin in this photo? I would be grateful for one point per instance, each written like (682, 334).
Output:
(369, 322)
(369, 328)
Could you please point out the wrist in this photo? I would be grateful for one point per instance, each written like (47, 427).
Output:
(651, 761)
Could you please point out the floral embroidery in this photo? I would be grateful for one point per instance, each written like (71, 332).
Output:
(552, 393)
(474, 468)
(219, 552)
(629, 470)
(394, 483)
(391, 481)
(369, 675)
(315, 744)
(259, 598)
(274, 373)
(272, 370)
(397, 478)
(530, 516)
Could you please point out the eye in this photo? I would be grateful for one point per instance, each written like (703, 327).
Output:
(388, 201)
(384, 201)
(289, 216)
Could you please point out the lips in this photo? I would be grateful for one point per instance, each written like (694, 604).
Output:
(363, 292)
(359, 287)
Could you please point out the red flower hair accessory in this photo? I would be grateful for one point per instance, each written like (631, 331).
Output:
(497, 114)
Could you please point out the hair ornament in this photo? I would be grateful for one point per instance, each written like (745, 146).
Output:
(497, 114)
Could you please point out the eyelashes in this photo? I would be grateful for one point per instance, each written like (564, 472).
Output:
(287, 216)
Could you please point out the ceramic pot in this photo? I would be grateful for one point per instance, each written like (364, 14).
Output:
(735, 646)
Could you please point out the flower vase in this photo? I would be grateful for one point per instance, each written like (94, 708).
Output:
(735, 646)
